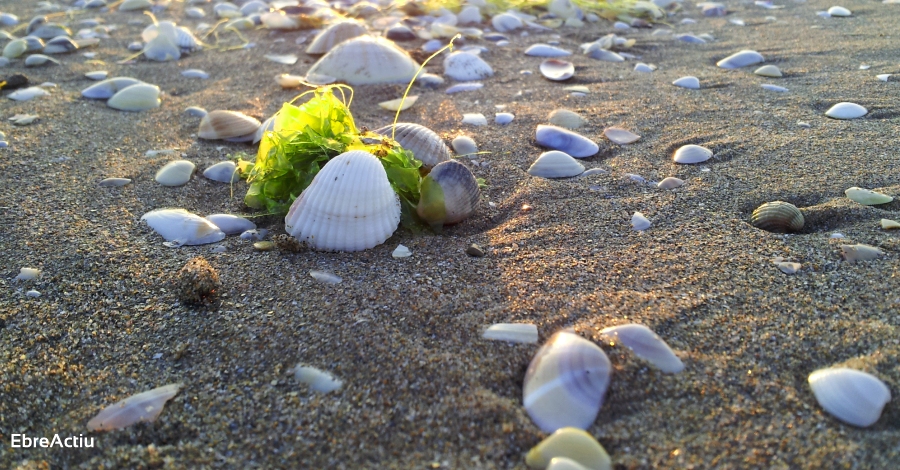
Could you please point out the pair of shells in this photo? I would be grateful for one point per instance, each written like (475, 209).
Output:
(778, 217)
(228, 125)
(125, 94)
(366, 60)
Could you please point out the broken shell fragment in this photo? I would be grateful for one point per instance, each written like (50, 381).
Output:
(741, 59)
(557, 70)
(113, 182)
(845, 110)
(620, 136)
(888, 224)
(777, 217)
(143, 407)
(566, 141)
(180, 227)
(852, 396)
(639, 222)
(867, 197)
(227, 125)
(512, 332)
(425, 144)
(860, 252)
(231, 224)
(366, 60)
(326, 277)
(555, 164)
(571, 443)
(788, 267)
(402, 251)
(448, 195)
(317, 380)
(646, 345)
(137, 97)
(691, 153)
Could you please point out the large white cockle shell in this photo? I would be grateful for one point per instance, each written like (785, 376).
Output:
(180, 227)
(349, 206)
(144, 406)
(849, 395)
(366, 60)
(565, 382)
(646, 344)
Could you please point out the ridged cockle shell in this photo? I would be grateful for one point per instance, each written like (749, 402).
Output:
(778, 217)
(227, 125)
(449, 194)
(366, 60)
(425, 144)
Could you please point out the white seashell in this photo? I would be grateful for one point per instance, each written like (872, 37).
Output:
(646, 345)
(143, 407)
(8, 19)
(97, 75)
(430, 80)
(564, 463)
(778, 217)
(425, 145)
(366, 60)
(505, 22)
(23, 119)
(867, 197)
(317, 380)
(255, 235)
(334, 35)
(448, 195)
(692, 154)
(109, 87)
(768, 71)
(567, 119)
(572, 443)
(670, 183)
(285, 59)
(231, 224)
(888, 224)
(788, 267)
(741, 59)
(465, 66)
(134, 5)
(779, 89)
(35, 60)
(468, 15)
(194, 13)
(860, 252)
(567, 141)
(26, 94)
(556, 164)
(643, 68)
(639, 222)
(884, 77)
(15, 48)
(689, 82)
(227, 125)
(475, 119)
(546, 50)
(223, 172)
(137, 97)
(464, 145)
(162, 48)
(401, 252)
(182, 227)
(557, 70)
(394, 105)
(277, 20)
(195, 111)
(27, 274)
(464, 87)
(33, 293)
(565, 383)
(195, 73)
(326, 277)
(846, 110)
(504, 118)
(849, 395)
(690, 38)
(512, 332)
(599, 53)
(839, 11)
(114, 182)
(620, 136)
(349, 206)
(175, 173)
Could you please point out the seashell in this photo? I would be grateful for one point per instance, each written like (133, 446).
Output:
(175, 173)
(425, 145)
(137, 97)
(231, 224)
(255, 6)
(25, 94)
(97, 75)
(8, 19)
(646, 345)
(254, 235)
(688, 154)
(788, 267)
(475, 119)
(690, 39)
(23, 119)
(555, 164)
(884, 77)
(317, 380)
(571, 443)
(557, 70)
(888, 224)
(860, 252)
(565, 383)
(464, 145)
(465, 66)
(512, 332)
(401, 252)
(195, 73)
(741, 59)
(395, 105)
(366, 60)
(768, 71)
(448, 195)
(567, 119)
(181, 227)
(109, 87)
(620, 136)
(15, 48)
(567, 141)
(143, 407)
(639, 222)
(186, 40)
(349, 206)
(195, 111)
(60, 45)
(464, 87)
(32, 293)
(163, 48)
(546, 50)
(779, 89)
(867, 197)
(670, 183)
(194, 13)
(505, 22)
(468, 15)
(287, 80)
(27, 274)
(277, 20)
(326, 277)
(223, 172)
(284, 59)
(504, 118)
(227, 125)
(713, 9)
(134, 5)
(839, 11)
(564, 463)
(264, 246)
(49, 31)
(430, 80)
(114, 182)
(846, 110)
(689, 82)
(599, 53)
(644, 68)
(777, 217)
(852, 396)
(227, 10)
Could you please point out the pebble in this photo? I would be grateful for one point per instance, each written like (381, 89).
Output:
(475, 250)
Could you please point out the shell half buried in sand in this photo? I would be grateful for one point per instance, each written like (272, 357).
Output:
(689, 154)
(778, 217)
(846, 110)
(143, 407)
(448, 195)
(512, 332)
(867, 197)
(572, 443)
(366, 60)
(741, 59)
(852, 396)
(646, 345)
(180, 227)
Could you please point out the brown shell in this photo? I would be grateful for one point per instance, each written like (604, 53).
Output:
(425, 144)
(227, 125)
(778, 217)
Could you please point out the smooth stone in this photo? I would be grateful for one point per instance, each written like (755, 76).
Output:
(175, 173)
(223, 172)
(475, 251)
(566, 141)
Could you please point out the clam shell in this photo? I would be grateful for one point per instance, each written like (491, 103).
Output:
(845, 110)
(565, 383)
(778, 217)
(564, 463)
(181, 227)
(113, 182)
(620, 136)
(468, 15)
(546, 50)
(15, 48)
(107, 88)
(464, 145)
(60, 45)
(231, 224)
(349, 206)
(471, 86)
(334, 35)
(223, 172)
(599, 53)
(689, 82)
(504, 118)
(133, 5)
(35, 60)
(175, 173)
(639, 222)
(162, 48)
(318, 380)
(741, 59)
(137, 97)
(97, 75)
(643, 68)
(325, 277)
(142, 407)
(475, 119)
(505, 22)
(225, 125)
(867, 197)
(888, 224)
(646, 345)
(366, 60)
(860, 252)
(567, 119)
(564, 140)
(571, 443)
(768, 71)
(512, 332)
(555, 164)
(670, 183)
(849, 395)
(464, 66)
(395, 104)
(557, 70)
(688, 154)
(26, 94)
(425, 145)
(839, 11)
(449, 194)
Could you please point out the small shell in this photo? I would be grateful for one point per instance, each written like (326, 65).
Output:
(776, 88)
(505, 22)
(35, 60)
(107, 88)
(26, 94)
(670, 183)
(27, 274)
(401, 252)
(143, 407)
(394, 105)
(449, 194)
(768, 71)
(646, 345)
(512, 332)
(741, 59)
(471, 86)
(689, 38)
(326, 277)
(284, 59)
(777, 217)
(464, 66)
(867, 197)
(888, 224)
(572, 443)
(564, 140)
(195, 73)
(860, 252)
(15, 48)
(317, 380)
(788, 267)
(565, 383)
(223, 172)
(114, 182)
(644, 68)
(620, 136)
(557, 70)
(504, 118)
(839, 11)
(175, 173)
(181, 227)
(425, 145)
(162, 48)
(555, 164)
(849, 395)
(599, 53)
(366, 60)
(226, 125)
(334, 35)
(845, 110)
(639, 222)
(567, 119)
(231, 224)
(97, 75)
(565, 463)
(545, 50)
(689, 154)
(689, 82)
(464, 145)
(60, 45)
(475, 119)
(137, 97)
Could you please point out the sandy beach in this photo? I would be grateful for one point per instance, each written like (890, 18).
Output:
(422, 388)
